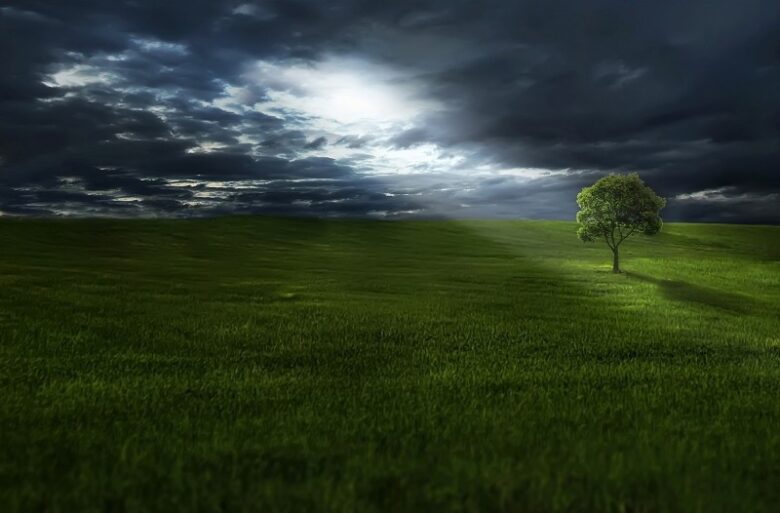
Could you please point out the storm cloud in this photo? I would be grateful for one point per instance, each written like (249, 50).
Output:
(387, 109)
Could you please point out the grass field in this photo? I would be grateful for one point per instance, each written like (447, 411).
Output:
(259, 364)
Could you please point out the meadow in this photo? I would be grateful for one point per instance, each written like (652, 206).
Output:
(279, 365)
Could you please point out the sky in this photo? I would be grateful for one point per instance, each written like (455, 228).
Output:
(387, 109)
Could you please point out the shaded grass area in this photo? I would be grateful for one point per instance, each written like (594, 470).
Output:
(258, 364)
(686, 292)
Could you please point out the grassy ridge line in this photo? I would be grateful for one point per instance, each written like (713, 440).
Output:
(254, 364)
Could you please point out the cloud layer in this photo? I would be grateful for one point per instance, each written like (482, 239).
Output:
(387, 109)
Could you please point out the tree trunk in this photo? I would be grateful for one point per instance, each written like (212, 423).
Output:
(615, 261)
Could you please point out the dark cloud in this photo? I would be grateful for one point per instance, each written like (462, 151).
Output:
(145, 107)
(354, 142)
(409, 138)
(316, 144)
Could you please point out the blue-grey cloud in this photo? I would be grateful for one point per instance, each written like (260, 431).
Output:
(457, 108)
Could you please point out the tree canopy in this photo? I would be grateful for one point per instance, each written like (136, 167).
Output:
(615, 208)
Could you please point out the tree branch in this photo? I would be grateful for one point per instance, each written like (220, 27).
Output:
(633, 229)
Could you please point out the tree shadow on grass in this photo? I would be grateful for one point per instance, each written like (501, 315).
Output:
(678, 290)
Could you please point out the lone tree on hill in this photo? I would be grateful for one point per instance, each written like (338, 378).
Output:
(616, 207)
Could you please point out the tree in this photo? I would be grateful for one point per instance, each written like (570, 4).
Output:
(616, 207)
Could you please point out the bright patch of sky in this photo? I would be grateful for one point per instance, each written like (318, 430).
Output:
(341, 93)
(159, 47)
(206, 147)
(79, 75)
(346, 100)
(255, 10)
(723, 194)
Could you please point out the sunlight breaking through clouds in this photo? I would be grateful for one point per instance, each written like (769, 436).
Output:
(351, 110)
(341, 93)
(433, 109)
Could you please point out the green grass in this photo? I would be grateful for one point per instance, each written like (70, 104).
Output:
(258, 364)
